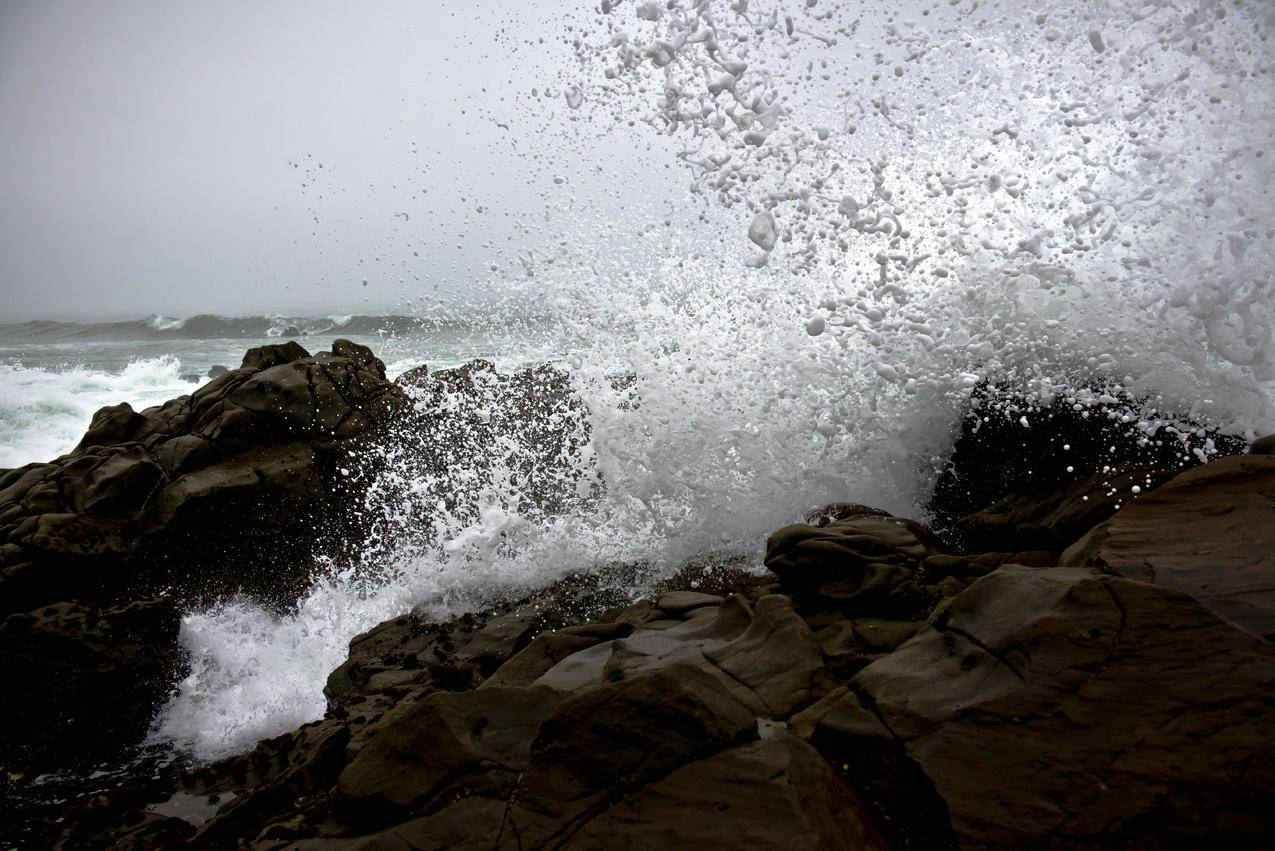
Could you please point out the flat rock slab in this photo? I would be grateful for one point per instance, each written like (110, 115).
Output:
(680, 602)
(783, 796)
(1209, 532)
(766, 658)
(1062, 708)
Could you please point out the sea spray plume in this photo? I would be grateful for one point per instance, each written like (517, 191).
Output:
(470, 495)
(983, 181)
(472, 449)
(957, 196)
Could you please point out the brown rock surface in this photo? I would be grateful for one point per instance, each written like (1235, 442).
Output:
(1208, 532)
(1060, 708)
(783, 795)
(862, 563)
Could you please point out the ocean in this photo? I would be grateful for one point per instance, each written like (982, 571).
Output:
(55, 375)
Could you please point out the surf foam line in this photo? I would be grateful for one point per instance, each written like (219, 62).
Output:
(43, 413)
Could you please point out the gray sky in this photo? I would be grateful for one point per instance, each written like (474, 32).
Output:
(164, 157)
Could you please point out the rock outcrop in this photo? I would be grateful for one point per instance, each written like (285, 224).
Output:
(180, 499)
(240, 487)
(878, 686)
(1060, 708)
(989, 705)
(186, 493)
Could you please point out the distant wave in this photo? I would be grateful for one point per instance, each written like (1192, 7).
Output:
(206, 326)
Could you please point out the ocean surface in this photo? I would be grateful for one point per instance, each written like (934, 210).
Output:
(55, 375)
(884, 209)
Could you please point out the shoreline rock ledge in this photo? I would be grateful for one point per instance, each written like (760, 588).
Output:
(875, 688)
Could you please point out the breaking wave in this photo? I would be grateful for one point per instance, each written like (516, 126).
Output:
(887, 209)
(43, 413)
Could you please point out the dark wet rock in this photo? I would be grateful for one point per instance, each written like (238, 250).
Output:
(264, 357)
(1060, 708)
(1053, 520)
(863, 564)
(310, 756)
(995, 725)
(412, 654)
(842, 511)
(776, 657)
(1263, 445)
(882, 636)
(681, 602)
(1208, 532)
(875, 762)
(490, 730)
(406, 657)
(217, 371)
(120, 821)
(765, 656)
(611, 740)
(783, 795)
(550, 648)
(279, 774)
(79, 677)
(502, 637)
(1011, 487)
(194, 488)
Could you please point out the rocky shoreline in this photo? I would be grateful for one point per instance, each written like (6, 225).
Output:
(1060, 662)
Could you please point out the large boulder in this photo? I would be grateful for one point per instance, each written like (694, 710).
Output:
(863, 563)
(1061, 708)
(190, 489)
(1207, 532)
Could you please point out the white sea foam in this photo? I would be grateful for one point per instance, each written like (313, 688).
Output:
(912, 203)
(163, 323)
(43, 413)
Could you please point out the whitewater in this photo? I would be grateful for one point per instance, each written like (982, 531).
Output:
(55, 376)
(885, 207)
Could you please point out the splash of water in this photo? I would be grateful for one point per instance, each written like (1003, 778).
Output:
(43, 413)
(887, 208)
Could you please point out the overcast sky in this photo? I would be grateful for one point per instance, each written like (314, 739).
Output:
(233, 157)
